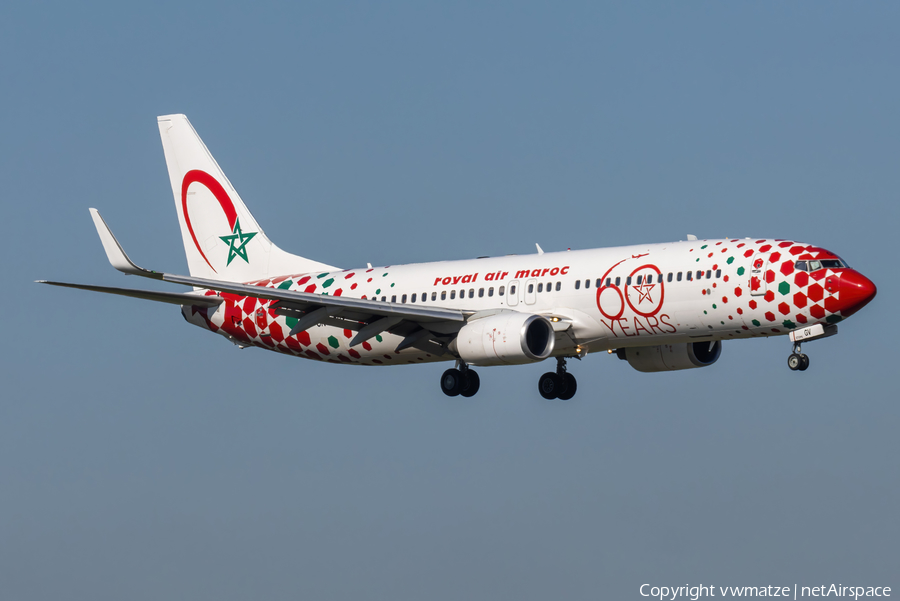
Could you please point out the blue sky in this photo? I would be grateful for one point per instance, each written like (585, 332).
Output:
(142, 458)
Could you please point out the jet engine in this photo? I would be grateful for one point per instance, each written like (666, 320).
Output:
(670, 357)
(505, 338)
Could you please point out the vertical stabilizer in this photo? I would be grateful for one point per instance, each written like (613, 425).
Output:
(222, 240)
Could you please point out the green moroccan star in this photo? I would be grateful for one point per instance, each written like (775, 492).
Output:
(237, 243)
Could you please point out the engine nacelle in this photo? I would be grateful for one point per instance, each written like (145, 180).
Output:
(670, 357)
(506, 338)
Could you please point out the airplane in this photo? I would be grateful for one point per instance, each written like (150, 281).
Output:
(660, 307)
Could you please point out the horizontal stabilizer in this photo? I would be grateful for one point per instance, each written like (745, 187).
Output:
(174, 298)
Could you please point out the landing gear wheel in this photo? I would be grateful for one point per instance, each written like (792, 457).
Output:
(569, 386)
(451, 382)
(795, 361)
(549, 385)
(804, 362)
(470, 383)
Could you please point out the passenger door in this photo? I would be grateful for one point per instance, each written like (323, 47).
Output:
(530, 292)
(758, 274)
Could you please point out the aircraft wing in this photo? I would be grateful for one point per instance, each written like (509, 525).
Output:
(174, 298)
(420, 327)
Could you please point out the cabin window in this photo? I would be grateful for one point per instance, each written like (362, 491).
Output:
(718, 273)
(443, 295)
(618, 281)
(491, 291)
(690, 276)
(383, 299)
(587, 284)
(669, 278)
(480, 292)
(394, 298)
(608, 281)
(403, 299)
(530, 288)
(708, 273)
(639, 278)
(452, 294)
(578, 285)
(434, 296)
(598, 283)
(462, 294)
(678, 277)
(558, 286)
(628, 281)
(540, 287)
(699, 273)
(512, 290)
(471, 293)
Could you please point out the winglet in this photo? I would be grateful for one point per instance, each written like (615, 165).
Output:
(539, 249)
(114, 252)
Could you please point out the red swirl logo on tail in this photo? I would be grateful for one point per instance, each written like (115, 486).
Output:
(205, 179)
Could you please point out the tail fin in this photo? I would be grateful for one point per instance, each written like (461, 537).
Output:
(221, 238)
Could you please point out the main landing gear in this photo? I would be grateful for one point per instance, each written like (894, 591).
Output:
(463, 381)
(798, 361)
(560, 385)
(460, 381)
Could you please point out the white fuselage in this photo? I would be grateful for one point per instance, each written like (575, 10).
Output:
(647, 295)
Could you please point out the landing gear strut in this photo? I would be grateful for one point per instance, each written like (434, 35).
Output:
(460, 380)
(560, 385)
(798, 361)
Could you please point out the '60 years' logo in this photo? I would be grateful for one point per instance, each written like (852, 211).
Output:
(643, 292)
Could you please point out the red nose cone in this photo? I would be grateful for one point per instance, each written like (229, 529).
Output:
(856, 290)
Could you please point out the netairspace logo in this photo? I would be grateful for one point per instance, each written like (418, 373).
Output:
(672, 593)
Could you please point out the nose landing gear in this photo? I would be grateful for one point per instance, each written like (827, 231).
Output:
(798, 361)
(560, 385)
(460, 381)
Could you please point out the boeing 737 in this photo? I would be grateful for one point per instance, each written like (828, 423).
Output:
(660, 307)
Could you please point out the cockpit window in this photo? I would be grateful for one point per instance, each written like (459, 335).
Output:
(823, 264)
